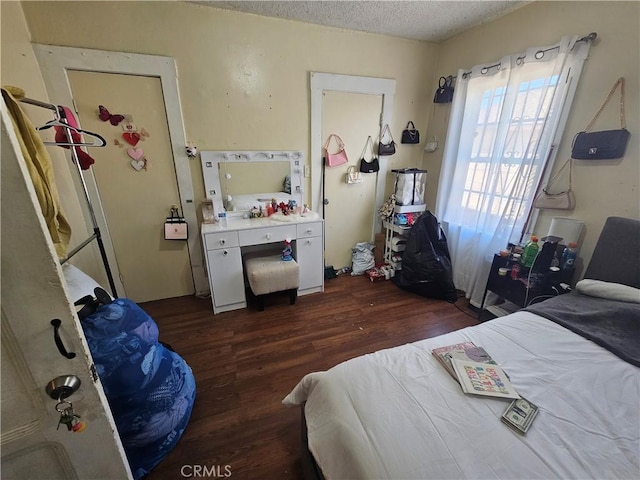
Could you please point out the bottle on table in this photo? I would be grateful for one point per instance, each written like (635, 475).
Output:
(222, 219)
(530, 251)
(569, 255)
(515, 271)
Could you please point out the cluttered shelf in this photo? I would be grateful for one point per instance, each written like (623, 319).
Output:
(397, 229)
(523, 278)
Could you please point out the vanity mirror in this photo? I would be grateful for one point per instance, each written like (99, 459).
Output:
(237, 181)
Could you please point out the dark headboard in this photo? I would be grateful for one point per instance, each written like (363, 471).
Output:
(616, 257)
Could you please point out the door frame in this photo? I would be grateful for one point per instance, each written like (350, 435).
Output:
(323, 82)
(54, 63)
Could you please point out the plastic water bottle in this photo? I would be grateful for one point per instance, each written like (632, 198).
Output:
(222, 219)
(530, 251)
(569, 255)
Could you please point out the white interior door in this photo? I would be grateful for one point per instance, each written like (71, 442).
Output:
(33, 293)
(56, 62)
(349, 209)
(135, 200)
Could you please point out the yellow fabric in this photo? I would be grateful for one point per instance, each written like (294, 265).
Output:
(40, 169)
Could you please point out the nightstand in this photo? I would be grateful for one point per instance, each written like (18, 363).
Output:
(543, 284)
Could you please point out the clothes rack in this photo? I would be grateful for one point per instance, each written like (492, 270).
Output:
(97, 236)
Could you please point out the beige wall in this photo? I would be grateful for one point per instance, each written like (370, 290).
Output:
(603, 188)
(20, 68)
(244, 79)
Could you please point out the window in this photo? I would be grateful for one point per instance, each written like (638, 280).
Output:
(511, 176)
(505, 120)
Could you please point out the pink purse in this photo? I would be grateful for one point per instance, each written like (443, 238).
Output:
(335, 159)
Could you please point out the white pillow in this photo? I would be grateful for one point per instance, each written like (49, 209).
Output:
(608, 290)
(79, 283)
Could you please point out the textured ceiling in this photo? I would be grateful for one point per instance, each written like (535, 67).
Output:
(427, 20)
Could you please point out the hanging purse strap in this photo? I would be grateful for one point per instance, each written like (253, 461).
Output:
(368, 143)
(555, 177)
(623, 123)
(338, 141)
(388, 130)
(413, 127)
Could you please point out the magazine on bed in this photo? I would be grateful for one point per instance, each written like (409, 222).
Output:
(461, 351)
(483, 379)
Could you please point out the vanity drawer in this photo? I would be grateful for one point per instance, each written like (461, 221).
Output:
(258, 236)
(214, 241)
(310, 229)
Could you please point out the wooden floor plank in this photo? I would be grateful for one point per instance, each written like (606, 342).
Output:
(245, 362)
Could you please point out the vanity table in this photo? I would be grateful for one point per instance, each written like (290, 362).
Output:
(226, 246)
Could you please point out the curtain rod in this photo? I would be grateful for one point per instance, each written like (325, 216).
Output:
(539, 54)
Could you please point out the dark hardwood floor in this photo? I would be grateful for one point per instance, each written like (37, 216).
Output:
(245, 362)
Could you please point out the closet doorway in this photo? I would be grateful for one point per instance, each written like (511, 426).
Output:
(349, 213)
(374, 94)
(135, 198)
(58, 64)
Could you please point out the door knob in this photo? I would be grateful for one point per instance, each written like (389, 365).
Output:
(63, 386)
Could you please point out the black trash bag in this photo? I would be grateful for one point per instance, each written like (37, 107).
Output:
(426, 263)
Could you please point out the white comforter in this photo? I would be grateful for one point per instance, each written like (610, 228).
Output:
(398, 414)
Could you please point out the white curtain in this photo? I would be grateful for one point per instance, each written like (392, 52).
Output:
(506, 119)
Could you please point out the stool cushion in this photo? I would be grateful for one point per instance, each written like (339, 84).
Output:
(271, 274)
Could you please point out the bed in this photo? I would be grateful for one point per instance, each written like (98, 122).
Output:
(398, 414)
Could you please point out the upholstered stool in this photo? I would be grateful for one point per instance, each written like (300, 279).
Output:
(271, 274)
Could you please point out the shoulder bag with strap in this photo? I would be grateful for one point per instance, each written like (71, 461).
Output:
(369, 166)
(557, 201)
(338, 158)
(604, 144)
(386, 148)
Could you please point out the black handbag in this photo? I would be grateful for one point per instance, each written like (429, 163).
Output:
(444, 93)
(410, 135)
(602, 145)
(371, 166)
(386, 149)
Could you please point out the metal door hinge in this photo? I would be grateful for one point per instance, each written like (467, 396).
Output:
(94, 372)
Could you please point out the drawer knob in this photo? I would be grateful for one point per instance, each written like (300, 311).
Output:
(268, 236)
(225, 252)
(309, 231)
(222, 241)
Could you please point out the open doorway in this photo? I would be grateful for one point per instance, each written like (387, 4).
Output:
(323, 83)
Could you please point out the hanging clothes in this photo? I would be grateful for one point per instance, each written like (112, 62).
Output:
(61, 137)
(40, 169)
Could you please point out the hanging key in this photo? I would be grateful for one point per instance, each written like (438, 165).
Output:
(68, 417)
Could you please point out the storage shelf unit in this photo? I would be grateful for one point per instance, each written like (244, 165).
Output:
(396, 234)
